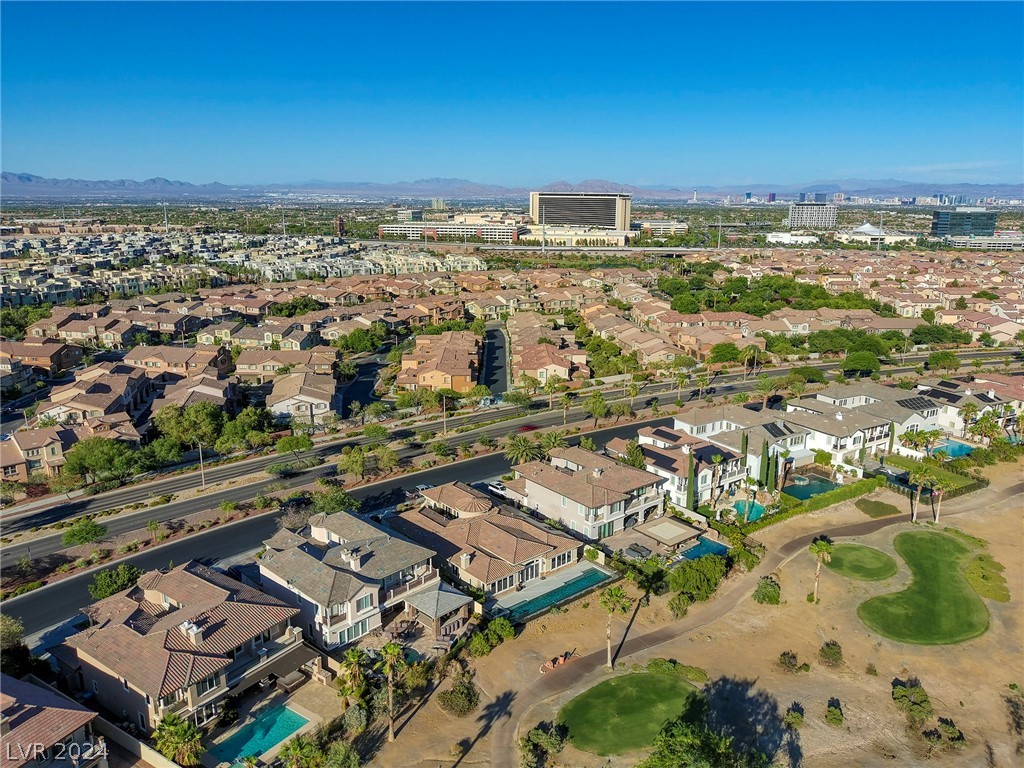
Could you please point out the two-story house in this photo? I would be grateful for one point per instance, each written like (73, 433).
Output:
(40, 728)
(344, 575)
(304, 397)
(592, 495)
(180, 641)
(846, 434)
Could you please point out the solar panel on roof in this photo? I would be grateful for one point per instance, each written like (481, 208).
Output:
(774, 430)
(916, 403)
(949, 385)
(985, 398)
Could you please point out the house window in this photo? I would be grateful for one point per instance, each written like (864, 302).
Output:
(504, 584)
(142, 721)
(563, 559)
(564, 502)
(356, 630)
(124, 684)
(208, 684)
(364, 603)
(581, 509)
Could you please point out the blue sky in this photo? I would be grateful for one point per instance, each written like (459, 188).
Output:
(515, 94)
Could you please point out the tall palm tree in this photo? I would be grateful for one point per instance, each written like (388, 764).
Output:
(703, 380)
(614, 600)
(765, 388)
(748, 353)
(939, 486)
(179, 740)
(551, 387)
(918, 478)
(549, 441)
(351, 681)
(632, 391)
(784, 467)
(392, 661)
(797, 387)
(821, 548)
(566, 403)
(929, 439)
(912, 440)
(969, 412)
(682, 379)
(987, 427)
(520, 449)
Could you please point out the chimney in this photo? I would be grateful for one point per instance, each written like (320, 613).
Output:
(5, 725)
(352, 559)
(991, 393)
(686, 449)
(464, 560)
(967, 392)
(839, 415)
(598, 471)
(192, 632)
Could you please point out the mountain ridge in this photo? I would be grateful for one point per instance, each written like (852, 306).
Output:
(33, 186)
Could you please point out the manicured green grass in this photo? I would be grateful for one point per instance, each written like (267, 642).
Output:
(910, 464)
(624, 714)
(875, 508)
(939, 607)
(859, 562)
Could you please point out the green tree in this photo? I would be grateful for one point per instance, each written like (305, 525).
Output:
(943, 361)
(351, 681)
(387, 458)
(566, 403)
(301, 752)
(100, 457)
(392, 662)
(726, 352)
(83, 531)
(634, 455)
(632, 390)
(765, 388)
(588, 444)
(376, 434)
(920, 478)
(596, 406)
(110, 581)
(353, 462)
(520, 449)
(12, 632)
(682, 744)
(858, 362)
(530, 383)
(341, 754)
(520, 400)
(821, 549)
(377, 409)
(294, 444)
(551, 388)
(179, 740)
(613, 600)
(551, 441)
(333, 500)
(163, 452)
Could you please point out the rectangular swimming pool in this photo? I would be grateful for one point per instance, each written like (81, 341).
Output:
(269, 728)
(590, 578)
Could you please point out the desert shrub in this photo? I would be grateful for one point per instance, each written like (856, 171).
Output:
(831, 653)
(834, 715)
(913, 699)
(500, 630)
(789, 661)
(768, 591)
(463, 696)
(872, 670)
(354, 720)
(479, 645)
(952, 734)
(661, 666)
(693, 674)
(83, 531)
(679, 605)
(794, 718)
(25, 588)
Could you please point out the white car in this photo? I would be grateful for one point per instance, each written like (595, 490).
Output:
(498, 489)
(424, 487)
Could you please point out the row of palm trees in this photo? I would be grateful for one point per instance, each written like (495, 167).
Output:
(353, 683)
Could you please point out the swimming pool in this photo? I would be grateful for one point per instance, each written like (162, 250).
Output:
(520, 612)
(269, 728)
(953, 448)
(804, 490)
(756, 510)
(705, 546)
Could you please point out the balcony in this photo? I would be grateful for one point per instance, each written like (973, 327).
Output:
(431, 574)
(247, 663)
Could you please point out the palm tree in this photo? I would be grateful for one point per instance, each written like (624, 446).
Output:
(179, 740)
(520, 449)
(784, 466)
(614, 600)
(918, 478)
(682, 379)
(703, 380)
(939, 486)
(351, 681)
(716, 471)
(748, 353)
(300, 752)
(551, 387)
(987, 427)
(549, 441)
(968, 413)
(566, 403)
(632, 391)
(751, 491)
(392, 661)
(341, 754)
(797, 387)
(929, 439)
(821, 548)
(250, 761)
(765, 387)
(912, 440)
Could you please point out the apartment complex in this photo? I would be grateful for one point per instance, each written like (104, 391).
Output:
(592, 210)
(812, 215)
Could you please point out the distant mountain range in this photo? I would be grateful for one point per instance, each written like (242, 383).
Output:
(26, 185)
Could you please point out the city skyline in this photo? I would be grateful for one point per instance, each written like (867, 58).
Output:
(329, 96)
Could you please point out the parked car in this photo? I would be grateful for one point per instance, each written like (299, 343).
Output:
(424, 487)
(498, 489)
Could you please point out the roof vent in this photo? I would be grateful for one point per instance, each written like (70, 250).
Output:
(991, 393)
(598, 471)
(192, 631)
(839, 415)
(967, 392)
(464, 560)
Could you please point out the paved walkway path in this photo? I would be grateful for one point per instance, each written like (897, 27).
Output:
(504, 733)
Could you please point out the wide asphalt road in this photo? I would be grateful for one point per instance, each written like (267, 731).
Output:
(62, 600)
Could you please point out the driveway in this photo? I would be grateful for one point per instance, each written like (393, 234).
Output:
(495, 373)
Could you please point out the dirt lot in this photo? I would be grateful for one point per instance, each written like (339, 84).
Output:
(739, 648)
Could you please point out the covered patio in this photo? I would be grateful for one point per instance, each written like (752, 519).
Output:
(663, 536)
(434, 617)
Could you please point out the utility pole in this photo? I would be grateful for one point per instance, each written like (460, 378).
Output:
(444, 415)
(719, 230)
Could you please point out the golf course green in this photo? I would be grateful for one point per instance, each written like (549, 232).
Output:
(859, 562)
(625, 713)
(940, 606)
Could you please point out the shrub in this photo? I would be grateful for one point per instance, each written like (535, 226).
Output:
(953, 734)
(693, 674)
(590, 553)
(228, 506)
(913, 699)
(463, 696)
(661, 666)
(679, 605)
(83, 531)
(875, 508)
(788, 661)
(872, 670)
(831, 653)
(794, 718)
(354, 720)
(499, 630)
(834, 715)
(25, 588)
(479, 645)
(768, 591)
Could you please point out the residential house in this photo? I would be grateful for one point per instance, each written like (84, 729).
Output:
(181, 641)
(302, 396)
(592, 495)
(99, 390)
(482, 546)
(49, 358)
(263, 364)
(170, 363)
(450, 360)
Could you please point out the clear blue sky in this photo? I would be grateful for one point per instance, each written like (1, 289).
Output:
(515, 94)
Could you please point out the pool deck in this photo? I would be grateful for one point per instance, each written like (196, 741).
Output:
(539, 587)
(252, 707)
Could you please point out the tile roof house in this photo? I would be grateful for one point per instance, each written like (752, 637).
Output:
(43, 729)
(344, 575)
(181, 641)
(303, 396)
(593, 495)
(492, 550)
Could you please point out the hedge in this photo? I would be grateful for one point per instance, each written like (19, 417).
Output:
(822, 500)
